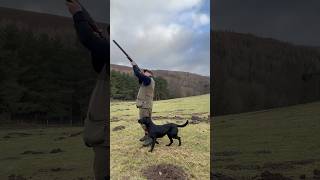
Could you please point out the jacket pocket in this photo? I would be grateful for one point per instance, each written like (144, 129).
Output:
(94, 132)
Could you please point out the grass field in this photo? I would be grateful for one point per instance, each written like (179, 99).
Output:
(284, 141)
(59, 153)
(129, 160)
(26, 152)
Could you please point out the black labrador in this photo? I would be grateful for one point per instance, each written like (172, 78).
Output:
(158, 131)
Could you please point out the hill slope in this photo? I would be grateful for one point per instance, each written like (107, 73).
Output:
(253, 73)
(283, 140)
(180, 84)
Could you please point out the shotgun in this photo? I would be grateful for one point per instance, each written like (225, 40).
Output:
(124, 52)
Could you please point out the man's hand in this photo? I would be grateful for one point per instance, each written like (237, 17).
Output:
(73, 6)
(133, 63)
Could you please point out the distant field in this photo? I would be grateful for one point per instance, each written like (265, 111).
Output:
(129, 160)
(283, 140)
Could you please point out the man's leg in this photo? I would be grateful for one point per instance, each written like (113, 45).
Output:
(145, 113)
(100, 162)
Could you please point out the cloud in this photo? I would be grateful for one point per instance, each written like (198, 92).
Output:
(157, 34)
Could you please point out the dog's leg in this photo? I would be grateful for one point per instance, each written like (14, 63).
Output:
(171, 141)
(153, 143)
(179, 139)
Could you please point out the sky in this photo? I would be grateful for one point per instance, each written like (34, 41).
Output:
(158, 34)
(295, 21)
(166, 35)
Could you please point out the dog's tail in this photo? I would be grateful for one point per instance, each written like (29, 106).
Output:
(183, 125)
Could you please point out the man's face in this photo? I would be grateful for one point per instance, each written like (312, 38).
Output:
(146, 73)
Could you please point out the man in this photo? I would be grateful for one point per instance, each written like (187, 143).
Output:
(96, 126)
(145, 97)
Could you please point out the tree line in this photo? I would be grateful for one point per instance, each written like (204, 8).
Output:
(125, 86)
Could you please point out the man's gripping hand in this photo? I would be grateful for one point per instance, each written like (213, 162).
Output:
(73, 6)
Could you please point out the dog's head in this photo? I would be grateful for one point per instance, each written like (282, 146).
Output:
(146, 121)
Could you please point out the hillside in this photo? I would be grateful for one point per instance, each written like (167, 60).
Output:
(281, 140)
(253, 73)
(180, 84)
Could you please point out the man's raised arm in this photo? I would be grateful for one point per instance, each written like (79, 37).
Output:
(140, 75)
(99, 47)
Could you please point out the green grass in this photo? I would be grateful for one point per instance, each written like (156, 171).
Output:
(128, 159)
(75, 161)
(246, 144)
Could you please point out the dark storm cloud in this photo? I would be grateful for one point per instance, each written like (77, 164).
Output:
(294, 21)
(99, 9)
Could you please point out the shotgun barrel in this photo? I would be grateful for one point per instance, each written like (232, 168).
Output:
(124, 52)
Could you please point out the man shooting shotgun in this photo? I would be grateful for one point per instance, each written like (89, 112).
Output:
(145, 95)
(95, 133)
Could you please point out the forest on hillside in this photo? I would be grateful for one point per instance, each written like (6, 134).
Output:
(253, 73)
(125, 87)
(43, 79)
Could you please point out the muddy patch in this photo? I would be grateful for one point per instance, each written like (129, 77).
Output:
(60, 169)
(223, 160)
(164, 171)
(266, 175)
(59, 138)
(55, 151)
(238, 167)
(55, 169)
(16, 134)
(219, 176)
(16, 177)
(197, 119)
(75, 134)
(32, 152)
(114, 119)
(263, 152)
(118, 128)
(227, 153)
(68, 135)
